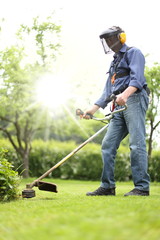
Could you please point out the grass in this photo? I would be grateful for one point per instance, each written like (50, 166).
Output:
(70, 215)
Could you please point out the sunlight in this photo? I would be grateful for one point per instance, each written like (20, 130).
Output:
(52, 91)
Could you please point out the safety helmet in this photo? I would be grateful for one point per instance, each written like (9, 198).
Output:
(113, 31)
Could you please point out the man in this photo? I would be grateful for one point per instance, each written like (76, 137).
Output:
(126, 80)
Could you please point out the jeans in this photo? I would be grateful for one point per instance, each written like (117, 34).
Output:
(132, 122)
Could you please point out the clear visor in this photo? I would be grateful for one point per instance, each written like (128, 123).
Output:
(107, 50)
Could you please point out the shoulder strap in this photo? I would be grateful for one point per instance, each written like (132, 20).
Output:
(124, 54)
(128, 48)
(115, 65)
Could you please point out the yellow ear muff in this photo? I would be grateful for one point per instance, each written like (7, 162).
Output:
(122, 37)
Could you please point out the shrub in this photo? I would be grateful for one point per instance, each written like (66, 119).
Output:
(9, 179)
(45, 155)
(11, 154)
(154, 166)
(85, 164)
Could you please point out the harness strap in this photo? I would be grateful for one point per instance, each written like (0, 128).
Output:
(123, 74)
(115, 75)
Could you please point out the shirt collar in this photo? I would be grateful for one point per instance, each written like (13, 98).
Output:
(124, 48)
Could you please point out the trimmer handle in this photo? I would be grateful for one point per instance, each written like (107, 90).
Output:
(80, 113)
(113, 98)
(109, 116)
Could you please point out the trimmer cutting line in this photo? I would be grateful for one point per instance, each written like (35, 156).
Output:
(51, 187)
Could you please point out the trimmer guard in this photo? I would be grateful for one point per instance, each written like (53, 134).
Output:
(46, 186)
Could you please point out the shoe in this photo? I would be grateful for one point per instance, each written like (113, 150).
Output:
(137, 192)
(102, 192)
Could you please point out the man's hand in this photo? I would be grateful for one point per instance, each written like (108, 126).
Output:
(87, 114)
(122, 98)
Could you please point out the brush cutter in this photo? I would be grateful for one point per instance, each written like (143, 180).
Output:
(51, 187)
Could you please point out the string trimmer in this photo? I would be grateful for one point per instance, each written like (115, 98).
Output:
(51, 187)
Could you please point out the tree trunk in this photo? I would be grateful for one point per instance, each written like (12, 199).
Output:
(150, 142)
(25, 159)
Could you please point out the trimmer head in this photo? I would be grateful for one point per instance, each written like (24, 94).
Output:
(44, 186)
(28, 193)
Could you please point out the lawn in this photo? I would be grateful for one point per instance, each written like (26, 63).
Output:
(70, 215)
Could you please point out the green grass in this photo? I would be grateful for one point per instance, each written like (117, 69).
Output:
(70, 215)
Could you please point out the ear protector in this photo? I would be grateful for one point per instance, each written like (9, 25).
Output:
(122, 37)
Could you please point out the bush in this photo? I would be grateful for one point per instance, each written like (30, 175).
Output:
(154, 166)
(85, 164)
(122, 167)
(9, 179)
(45, 155)
(11, 154)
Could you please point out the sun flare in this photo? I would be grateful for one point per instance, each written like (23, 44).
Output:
(52, 91)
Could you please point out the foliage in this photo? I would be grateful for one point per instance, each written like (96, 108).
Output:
(85, 164)
(122, 165)
(40, 35)
(154, 166)
(153, 114)
(21, 116)
(68, 127)
(9, 179)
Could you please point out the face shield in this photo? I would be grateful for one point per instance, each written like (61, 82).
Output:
(106, 48)
(109, 44)
(109, 39)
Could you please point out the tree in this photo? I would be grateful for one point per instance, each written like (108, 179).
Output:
(21, 116)
(153, 114)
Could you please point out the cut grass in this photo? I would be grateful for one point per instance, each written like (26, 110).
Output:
(70, 214)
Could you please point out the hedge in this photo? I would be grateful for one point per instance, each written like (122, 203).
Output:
(85, 164)
(154, 166)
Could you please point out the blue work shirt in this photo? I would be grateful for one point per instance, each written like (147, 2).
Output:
(132, 61)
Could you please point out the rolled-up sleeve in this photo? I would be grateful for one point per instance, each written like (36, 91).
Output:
(136, 64)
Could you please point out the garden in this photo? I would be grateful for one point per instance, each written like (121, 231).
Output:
(39, 128)
(70, 214)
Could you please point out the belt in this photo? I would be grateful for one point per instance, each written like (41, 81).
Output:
(122, 90)
(146, 89)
